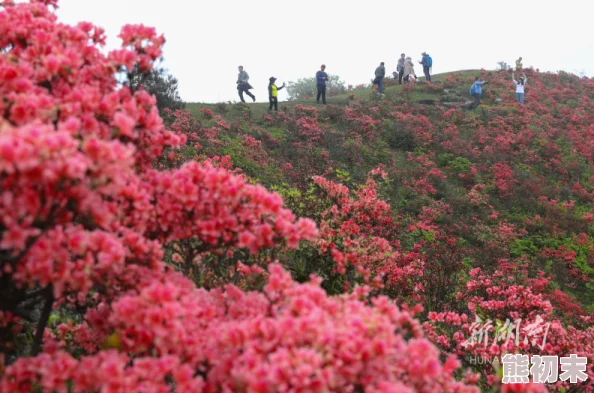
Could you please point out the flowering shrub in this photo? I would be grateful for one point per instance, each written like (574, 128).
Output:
(485, 214)
(71, 147)
(513, 319)
(508, 185)
(207, 113)
(292, 337)
(84, 214)
(96, 196)
(432, 88)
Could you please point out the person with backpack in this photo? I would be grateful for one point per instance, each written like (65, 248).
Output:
(380, 74)
(520, 87)
(243, 85)
(409, 69)
(427, 63)
(400, 68)
(273, 93)
(321, 79)
(476, 91)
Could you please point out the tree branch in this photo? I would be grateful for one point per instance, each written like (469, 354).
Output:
(42, 323)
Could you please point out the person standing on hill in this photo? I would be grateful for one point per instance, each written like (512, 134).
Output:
(519, 64)
(243, 85)
(321, 79)
(426, 62)
(476, 91)
(273, 93)
(409, 69)
(520, 87)
(380, 74)
(400, 68)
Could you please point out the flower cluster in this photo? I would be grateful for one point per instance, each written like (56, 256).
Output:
(291, 337)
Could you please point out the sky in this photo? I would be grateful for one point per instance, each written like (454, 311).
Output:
(208, 40)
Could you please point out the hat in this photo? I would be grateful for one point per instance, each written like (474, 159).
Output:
(272, 79)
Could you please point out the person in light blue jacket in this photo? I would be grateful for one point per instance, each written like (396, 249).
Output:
(477, 91)
(426, 63)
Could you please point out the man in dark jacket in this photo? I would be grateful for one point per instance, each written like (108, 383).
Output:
(380, 73)
(243, 85)
(321, 79)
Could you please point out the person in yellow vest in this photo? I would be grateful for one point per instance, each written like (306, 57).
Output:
(273, 93)
(519, 64)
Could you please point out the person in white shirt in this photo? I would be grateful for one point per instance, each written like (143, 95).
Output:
(520, 87)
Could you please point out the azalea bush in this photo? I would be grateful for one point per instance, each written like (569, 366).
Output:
(108, 224)
(512, 315)
(507, 189)
(86, 217)
(232, 253)
(291, 337)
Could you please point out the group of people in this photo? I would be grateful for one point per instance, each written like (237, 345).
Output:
(243, 86)
(404, 71)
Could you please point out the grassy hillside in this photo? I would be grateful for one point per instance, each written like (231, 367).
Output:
(391, 90)
(482, 213)
(525, 164)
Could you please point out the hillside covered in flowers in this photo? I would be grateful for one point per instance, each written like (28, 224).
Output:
(343, 248)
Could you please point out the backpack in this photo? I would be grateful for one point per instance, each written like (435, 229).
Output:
(473, 90)
(429, 61)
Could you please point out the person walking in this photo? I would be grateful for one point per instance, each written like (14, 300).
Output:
(426, 63)
(321, 79)
(273, 93)
(409, 69)
(243, 85)
(400, 68)
(380, 74)
(519, 64)
(520, 87)
(476, 91)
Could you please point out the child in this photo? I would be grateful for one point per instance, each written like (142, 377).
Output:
(273, 93)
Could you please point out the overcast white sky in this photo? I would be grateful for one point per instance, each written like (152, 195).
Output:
(208, 39)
